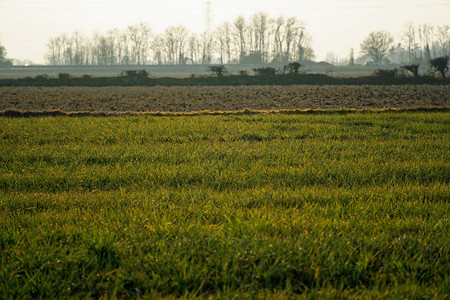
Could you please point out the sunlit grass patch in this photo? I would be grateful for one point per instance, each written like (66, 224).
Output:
(319, 205)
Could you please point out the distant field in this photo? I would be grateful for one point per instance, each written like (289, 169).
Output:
(349, 205)
(221, 98)
(168, 71)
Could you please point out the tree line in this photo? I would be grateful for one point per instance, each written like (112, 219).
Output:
(418, 44)
(258, 39)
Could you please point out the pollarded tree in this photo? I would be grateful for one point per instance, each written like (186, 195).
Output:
(377, 45)
(413, 69)
(440, 64)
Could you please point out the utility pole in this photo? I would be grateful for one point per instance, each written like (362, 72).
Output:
(208, 17)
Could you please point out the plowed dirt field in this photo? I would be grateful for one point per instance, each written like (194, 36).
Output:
(228, 98)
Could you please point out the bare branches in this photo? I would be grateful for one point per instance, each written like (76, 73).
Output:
(377, 45)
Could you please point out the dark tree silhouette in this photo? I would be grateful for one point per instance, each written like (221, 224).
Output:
(265, 71)
(292, 68)
(440, 64)
(218, 70)
(412, 68)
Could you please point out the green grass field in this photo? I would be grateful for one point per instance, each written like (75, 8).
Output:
(325, 205)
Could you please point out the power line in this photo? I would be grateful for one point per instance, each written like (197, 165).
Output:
(346, 5)
(208, 16)
(146, 2)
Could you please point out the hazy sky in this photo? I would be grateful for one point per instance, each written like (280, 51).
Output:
(335, 25)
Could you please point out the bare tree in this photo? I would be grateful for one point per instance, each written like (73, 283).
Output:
(174, 41)
(425, 34)
(79, 50)
(125, 46)
(170, 47)
(332, 58)
(193, 48)
(182, 33)
(260, 27)
(139, 36)
(53, 56)
(119, 44)
(157, 46)
(377, 45)
(291, 29)
(443, 37)
(304, 50)
(279, 38)
(239, 34)
(67, 53)
(100, 49)
(409, 37)
(223, 35)
(104, 49)
(206, 45)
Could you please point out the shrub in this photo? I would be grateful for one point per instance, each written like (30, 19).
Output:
(63, 76)
(292, 68)
(243, 73)
(135, 75)
(218, 70)
(265, 71)
(42, 76)
(383, 73)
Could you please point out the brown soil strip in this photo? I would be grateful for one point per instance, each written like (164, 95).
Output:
(108, 100)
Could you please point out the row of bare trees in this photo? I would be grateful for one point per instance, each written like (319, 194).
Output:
(417, 44)
(259, 39)
(423, 42)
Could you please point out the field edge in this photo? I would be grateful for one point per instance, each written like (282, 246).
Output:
(17, 113)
